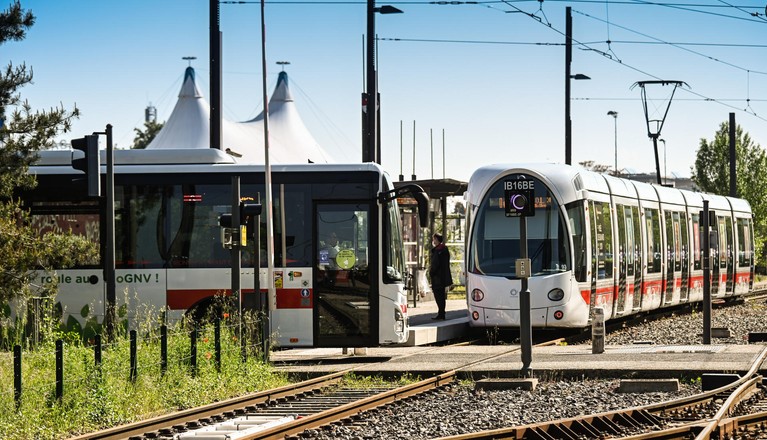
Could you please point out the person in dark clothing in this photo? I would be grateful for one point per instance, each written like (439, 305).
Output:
(439, 272)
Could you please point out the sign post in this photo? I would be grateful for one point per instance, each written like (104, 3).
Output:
(519, 202)
(706, 217)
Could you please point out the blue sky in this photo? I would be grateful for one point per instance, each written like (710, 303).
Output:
(490, 74)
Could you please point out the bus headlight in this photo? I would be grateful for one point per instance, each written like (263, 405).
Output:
(556, 294)
(399, 321)
(477, 295)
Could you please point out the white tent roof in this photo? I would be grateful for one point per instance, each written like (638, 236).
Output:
(289, 140)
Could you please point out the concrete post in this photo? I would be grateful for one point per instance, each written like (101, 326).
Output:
(598, 331)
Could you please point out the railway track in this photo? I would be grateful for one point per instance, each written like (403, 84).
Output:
(708, 415)
(282, 412)
(291, 410)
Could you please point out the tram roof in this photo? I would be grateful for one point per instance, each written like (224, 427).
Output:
(567, 179)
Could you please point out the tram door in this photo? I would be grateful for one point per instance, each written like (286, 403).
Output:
(673, 255)
(625, 257)
(344, 306)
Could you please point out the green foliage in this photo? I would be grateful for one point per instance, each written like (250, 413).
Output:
(99, 398)
(145, 137)
(23, 133)
(711, 173)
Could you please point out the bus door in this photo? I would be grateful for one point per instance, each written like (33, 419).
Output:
(344, 295)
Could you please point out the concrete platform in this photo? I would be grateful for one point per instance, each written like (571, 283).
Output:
(553, 362)
(424, 330)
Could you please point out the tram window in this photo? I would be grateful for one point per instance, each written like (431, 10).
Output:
(637, 240)
(604, 240)
(576, 218)
(685, 242)
(723, 243)
(744, 243)
(496, 236)
(730, 242)
(654, 246)
(677, 241)
(696, 255)
(628, 252)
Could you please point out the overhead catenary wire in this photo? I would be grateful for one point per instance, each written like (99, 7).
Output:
(626, 65)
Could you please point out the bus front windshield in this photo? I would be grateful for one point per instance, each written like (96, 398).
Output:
(393, 248)
(495, 241)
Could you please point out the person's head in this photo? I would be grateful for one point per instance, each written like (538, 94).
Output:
(436, 239)
(333, 239)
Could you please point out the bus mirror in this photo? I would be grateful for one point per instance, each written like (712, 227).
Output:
(423, 207)
(418, 194)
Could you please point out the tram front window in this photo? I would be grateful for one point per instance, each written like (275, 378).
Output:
(496, 237)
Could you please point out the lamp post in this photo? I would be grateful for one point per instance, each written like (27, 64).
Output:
(614, 114)
(370, 151)
(665, 171)
(568, 122)
(568, 77)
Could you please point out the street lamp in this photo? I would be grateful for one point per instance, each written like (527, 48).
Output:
(568, 122)
(665, 171)
(614, 114)
(371, 151)
(568, 77)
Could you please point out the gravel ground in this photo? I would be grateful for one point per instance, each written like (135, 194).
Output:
(462, 410)
(688, 329)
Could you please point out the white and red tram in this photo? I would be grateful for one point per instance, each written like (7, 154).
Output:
(597, 241)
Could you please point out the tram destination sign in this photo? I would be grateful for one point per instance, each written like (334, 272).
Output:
(519, 198)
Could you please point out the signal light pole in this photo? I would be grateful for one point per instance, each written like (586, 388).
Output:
(91, 164)
(371, 151)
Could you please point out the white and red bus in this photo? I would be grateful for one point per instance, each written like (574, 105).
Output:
(170, 258)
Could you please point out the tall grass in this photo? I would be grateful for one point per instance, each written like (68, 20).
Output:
(97, 398)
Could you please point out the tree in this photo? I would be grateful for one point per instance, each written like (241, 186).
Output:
(22, 135)
(711, 173)
(145, 137)
(597, 168)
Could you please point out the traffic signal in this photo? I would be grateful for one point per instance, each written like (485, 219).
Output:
(90, 164)
(231, 237)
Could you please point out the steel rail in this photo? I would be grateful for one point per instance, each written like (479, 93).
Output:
(597, 424)
(264, 397)
(336, 414)
(339, 413)
(732, 425)
(201, 412)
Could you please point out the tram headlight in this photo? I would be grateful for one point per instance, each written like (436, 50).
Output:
(477, 295)
(556, 294)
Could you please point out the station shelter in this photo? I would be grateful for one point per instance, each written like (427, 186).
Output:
(442, 193)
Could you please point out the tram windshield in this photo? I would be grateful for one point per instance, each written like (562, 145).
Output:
(496, 237)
